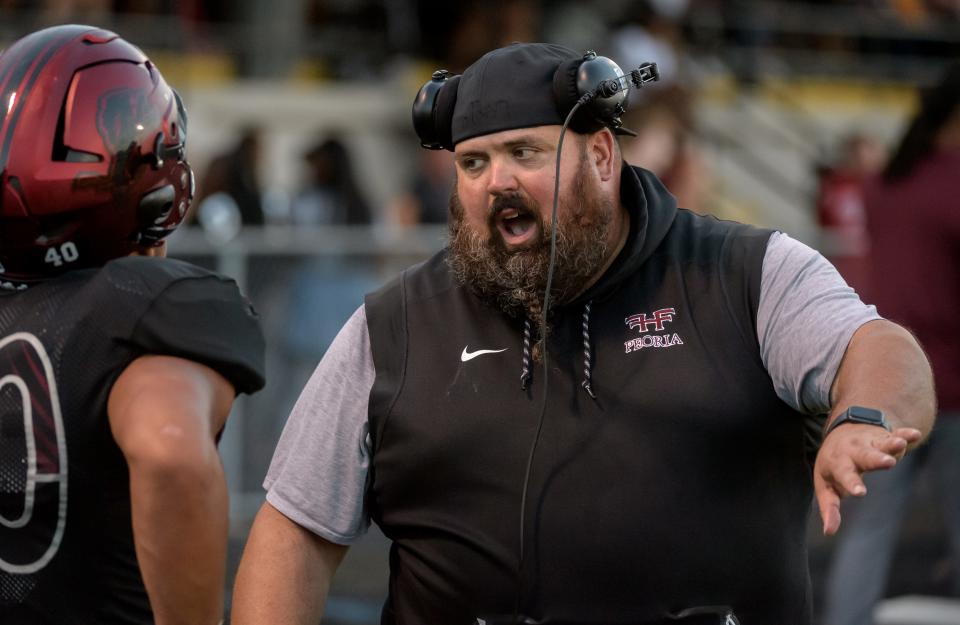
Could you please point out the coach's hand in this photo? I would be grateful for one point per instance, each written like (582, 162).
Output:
(847, 453)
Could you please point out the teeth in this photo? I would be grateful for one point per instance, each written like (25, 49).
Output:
(514, 222)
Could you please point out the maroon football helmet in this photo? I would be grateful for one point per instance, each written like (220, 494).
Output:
(92, 162)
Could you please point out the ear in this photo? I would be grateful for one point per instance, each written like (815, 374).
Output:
(602, 149)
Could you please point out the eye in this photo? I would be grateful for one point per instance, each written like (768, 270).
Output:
(472, 163)
(523, 154)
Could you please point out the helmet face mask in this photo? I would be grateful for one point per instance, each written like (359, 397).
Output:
(92, 162)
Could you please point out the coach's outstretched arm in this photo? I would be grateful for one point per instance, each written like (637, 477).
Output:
(284, 574)
(164, 414)
(883, 368)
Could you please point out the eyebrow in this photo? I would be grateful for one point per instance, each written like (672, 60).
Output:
(525, 140)
(522, 140)
(471, 154)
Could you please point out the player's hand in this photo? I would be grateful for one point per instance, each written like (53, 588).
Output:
(846, 454)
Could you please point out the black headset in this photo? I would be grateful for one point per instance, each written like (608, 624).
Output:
(594, 77)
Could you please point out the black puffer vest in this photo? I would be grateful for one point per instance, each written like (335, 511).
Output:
(681, 481)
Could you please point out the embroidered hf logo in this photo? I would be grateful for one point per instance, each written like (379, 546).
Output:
(656, 322)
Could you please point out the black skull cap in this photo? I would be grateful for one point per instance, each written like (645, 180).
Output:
(511, 87)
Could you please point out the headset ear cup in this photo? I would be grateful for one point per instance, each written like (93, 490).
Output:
(443, 113)
(437, 95)
(565, 92)
(593, 72)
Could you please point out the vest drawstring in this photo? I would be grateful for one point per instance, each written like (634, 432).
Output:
(587, 356)
(525, 373)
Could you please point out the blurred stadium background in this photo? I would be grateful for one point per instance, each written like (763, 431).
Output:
(313, 188)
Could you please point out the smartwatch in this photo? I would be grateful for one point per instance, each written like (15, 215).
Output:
(859, 414)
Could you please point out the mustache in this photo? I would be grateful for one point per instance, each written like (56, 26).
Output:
(512, 200)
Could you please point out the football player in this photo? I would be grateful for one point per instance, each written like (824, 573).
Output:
(117, 367)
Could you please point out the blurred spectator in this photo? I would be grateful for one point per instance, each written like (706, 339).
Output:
(331, 195)
(665, 144)
(427, 198)
(651, 31)
(307, 299)
(917, 13)
(323, 291)
(65, 11)
(949, 9)
(195, 18)
(236, 175)
(578, 25)
(840, 210)
(913, 217)
(456, 34)
(911, 12)
(747, 26)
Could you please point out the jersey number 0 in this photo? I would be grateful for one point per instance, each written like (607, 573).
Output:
(33, 457)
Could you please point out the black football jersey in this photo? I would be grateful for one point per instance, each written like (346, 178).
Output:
(66, 543)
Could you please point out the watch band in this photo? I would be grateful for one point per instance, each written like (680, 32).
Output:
(859, 414)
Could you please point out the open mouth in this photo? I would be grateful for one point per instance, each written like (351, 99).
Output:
(518, 228)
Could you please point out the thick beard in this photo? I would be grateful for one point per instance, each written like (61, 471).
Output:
(515, 281)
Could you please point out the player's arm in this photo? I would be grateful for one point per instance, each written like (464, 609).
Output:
(883, 368)
(164, 414)
(284, 574)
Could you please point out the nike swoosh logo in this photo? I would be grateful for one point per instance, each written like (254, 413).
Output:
(465, 356)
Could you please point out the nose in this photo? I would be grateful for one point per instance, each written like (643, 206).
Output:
(502, 177)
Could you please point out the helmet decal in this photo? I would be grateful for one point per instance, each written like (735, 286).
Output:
(123, 116)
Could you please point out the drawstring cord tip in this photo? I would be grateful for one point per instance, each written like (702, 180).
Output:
(589, 389)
